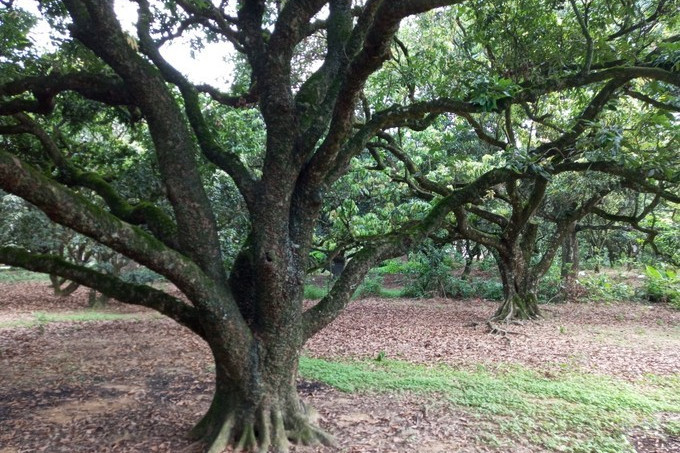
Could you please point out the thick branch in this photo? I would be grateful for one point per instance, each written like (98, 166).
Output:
(95, 24)
(143, 213)
(97, 87)
(107, 284)
(560, 147)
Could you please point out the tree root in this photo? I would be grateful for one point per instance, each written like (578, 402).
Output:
(497, 330)
(306, 433)
(515, 309)
(267, 431)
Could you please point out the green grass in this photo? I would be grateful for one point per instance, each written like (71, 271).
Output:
(40, 318)
(672, 428)
(21, 275)
(570, 413)
(391, 293)
(315, 292)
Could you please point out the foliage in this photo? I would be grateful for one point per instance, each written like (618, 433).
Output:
(573, 412)
(662, 285)
(604, 287)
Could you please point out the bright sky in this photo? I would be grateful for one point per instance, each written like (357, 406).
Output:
(207, 66)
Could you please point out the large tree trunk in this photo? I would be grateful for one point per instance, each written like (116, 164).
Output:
(519, 290)
(258, 408)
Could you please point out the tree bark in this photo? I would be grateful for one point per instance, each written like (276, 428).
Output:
(258, 408)
(519, 290)
(57, 283)
(570, 263)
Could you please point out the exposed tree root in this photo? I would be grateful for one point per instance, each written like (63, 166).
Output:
(268, 430)
(497, 330)
(306, 433)
(517, 308)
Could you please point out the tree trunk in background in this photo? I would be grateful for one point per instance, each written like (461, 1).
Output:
(471, 252)
(57, 283)
(519, 290)
(570, 263)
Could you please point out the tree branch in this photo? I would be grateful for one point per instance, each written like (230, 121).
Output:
(106, 284)
(394, 244)
(97, 87)
(583, 23)
(225, 160)
(96, 26)
(654, 16)
(143, 213)
(481, 133)
(651, 101)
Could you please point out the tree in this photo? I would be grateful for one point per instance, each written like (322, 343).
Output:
(316, 72)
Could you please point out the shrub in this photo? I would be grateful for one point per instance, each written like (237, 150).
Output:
(602, 287)
(140, 275)
(550, 284)
(314, 292)
(662, 286)
(430, 273)
(372, 286)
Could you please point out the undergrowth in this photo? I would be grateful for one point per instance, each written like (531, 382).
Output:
(572, 412)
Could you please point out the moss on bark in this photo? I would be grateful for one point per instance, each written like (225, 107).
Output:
(267, 420)
(518, 307)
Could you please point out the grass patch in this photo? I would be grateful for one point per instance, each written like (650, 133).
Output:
(315, 292)
(672, 428)
(571, 413)
(21, 275)
(41, 318)
(391, 293)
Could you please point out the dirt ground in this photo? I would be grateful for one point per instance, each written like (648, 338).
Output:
(138, 385)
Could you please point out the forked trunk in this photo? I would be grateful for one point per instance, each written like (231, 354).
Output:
(63, 287)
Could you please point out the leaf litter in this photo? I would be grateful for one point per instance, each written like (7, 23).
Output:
(139, 385)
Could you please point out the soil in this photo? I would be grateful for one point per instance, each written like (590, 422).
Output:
(139, 385)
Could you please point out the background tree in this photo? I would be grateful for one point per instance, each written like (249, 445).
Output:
(329, 79)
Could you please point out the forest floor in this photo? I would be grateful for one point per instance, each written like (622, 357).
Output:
(393, 375)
